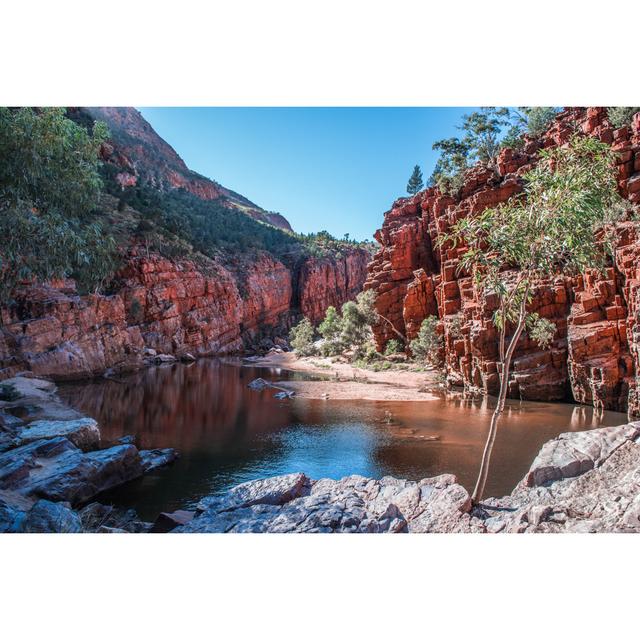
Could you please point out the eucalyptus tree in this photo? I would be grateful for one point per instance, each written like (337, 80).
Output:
(49, 189)
(562, 223)
(480, 142)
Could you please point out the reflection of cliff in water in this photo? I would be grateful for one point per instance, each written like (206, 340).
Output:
(227, 433)
(207, 403)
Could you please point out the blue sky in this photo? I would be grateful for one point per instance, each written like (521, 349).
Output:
(337, 169)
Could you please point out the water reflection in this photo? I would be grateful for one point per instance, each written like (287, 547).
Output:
(227, 433)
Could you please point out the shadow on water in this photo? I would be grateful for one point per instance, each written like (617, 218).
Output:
(226, 433)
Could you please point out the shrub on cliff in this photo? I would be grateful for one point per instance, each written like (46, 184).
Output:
(301, 338)
(49, 188)
(531, 120)
(448, 174)
(561, 224)
(428, 344)
(621, 116)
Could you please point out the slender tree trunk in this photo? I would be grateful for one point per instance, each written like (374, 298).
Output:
(400, 335)
(504, 385)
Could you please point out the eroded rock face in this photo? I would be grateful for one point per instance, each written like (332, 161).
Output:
(324, 282)
(167, 308)
(594, 357)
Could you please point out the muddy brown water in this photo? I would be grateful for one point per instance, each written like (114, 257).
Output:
(227, 433)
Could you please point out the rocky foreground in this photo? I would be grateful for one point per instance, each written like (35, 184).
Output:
(53, 468)
(579, 482)
(53, 464)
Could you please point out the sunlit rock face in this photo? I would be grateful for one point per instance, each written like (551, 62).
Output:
(594, 357)
(169, 306)
(330, 281)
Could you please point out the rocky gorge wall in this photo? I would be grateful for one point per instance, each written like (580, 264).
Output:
(594, 358)
(169, 306)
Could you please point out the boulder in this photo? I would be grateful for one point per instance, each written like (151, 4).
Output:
(259, 384)
(575, 453)
(10, 518)
(83, 433)
(51, 517)
(75, 477)
(154, 458)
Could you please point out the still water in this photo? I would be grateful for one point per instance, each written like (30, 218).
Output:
(227, 433)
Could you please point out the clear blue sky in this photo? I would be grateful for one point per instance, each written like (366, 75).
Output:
(337, 169)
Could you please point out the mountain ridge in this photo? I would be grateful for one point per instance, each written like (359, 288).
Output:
(141, 155)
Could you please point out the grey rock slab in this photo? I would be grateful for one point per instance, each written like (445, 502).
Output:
(32, 388)
(572, 454)
(83, 433)
(16, 464)
(76, 477)
(259, 384)
(10, 518)
(271, 491)
(51, 517)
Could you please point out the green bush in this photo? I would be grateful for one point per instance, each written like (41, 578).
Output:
(49, 189)
(393, 346)
(621, 116)
(357, 318)
(330, 329)
(428, 343)
(301, 338)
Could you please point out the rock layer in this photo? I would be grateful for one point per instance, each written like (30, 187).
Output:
(594, 357)
(169, 306)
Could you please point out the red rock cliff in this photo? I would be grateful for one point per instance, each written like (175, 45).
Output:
(595, 355)
(169, 306)
(330, 281)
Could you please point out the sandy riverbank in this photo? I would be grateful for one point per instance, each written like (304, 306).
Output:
(342, 381)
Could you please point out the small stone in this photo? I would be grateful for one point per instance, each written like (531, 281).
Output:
(259, 384)
(166, 522)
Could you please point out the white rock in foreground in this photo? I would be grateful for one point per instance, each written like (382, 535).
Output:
(294, 503)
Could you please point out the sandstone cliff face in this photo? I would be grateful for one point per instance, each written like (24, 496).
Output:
(323, 282)
(169, 306)
(595, 355)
